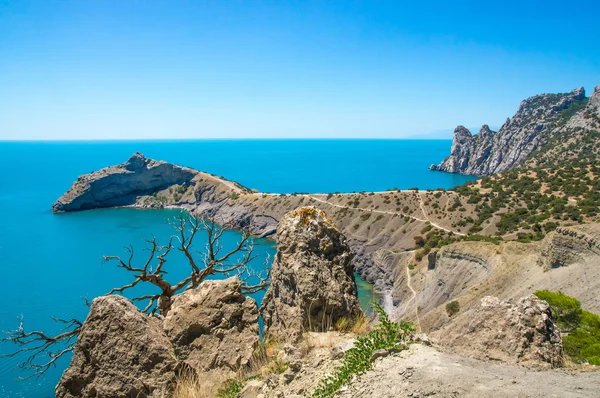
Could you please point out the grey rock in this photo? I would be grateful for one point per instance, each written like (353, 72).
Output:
(213, 326)
(120, 352)
(121, 185)
(522, 333)
(529, 129)
(252, 389)
(379, 354)
(312, 283)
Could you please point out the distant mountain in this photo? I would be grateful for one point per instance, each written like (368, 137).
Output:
(538, 123)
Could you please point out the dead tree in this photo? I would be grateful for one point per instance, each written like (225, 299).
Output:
(213, 261)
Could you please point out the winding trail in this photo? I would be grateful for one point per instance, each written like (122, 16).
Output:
(397, 213)
(413, 298)
(422, 206)
(394, 213)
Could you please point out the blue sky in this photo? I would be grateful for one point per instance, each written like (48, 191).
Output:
(195, 69)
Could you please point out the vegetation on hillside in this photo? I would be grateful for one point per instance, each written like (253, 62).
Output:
(386, 335)
(558, 185)
(581, 329)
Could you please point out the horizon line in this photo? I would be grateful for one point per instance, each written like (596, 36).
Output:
(92, 140)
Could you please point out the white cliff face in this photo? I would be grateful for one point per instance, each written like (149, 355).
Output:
(536, 121)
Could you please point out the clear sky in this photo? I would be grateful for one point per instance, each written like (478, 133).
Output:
(194, 69)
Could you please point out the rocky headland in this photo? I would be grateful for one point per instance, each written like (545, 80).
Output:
(121, 185)
(538, 120)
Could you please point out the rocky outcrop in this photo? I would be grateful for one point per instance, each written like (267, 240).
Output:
(121, 352)
(489, 152)
(570, 245)
(522, 333)
(214, 326)
(312, 283)
(121, 185)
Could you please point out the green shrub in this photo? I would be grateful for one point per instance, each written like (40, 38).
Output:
(230, 389)
(386, 335)
(452, 308)
(566, 310)
(582, 343)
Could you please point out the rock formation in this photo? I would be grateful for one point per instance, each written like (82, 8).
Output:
(522, 333)
(214, 326)
(312, 283)
(568, 245)
(530, 128)
(122, 352)
(121, 185)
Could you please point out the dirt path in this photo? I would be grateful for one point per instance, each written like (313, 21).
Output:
(422, 206)
(397, 213)
(413, 298)
(227, 183)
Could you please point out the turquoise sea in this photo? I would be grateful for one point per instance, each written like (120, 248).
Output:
(49, 262)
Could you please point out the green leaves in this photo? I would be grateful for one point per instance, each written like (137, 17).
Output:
(386, 335)
(582, 344)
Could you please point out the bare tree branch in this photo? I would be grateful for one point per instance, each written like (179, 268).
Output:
(40, 345)
(211, 262)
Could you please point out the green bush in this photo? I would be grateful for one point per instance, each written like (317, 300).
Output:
(386, 335)
(582, 343)
(452, 308)
(230, 389)
(566, 310)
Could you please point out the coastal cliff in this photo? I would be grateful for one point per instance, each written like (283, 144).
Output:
(121, 185)
(536, 122)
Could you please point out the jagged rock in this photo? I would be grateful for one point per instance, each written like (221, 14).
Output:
(252, 389)
(489, 153)
(120, 352)
(121, 185)
(213, 326)
(522, 333)
(312, 283)
(569, 245)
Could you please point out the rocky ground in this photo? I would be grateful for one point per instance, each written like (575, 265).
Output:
(426, 371)
(422, 371)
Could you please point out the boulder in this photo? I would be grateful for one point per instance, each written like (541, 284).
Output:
(120, 352)
(312, 283)
(214, 326)
(522, 333)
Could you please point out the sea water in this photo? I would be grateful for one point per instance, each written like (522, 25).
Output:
(51, 262)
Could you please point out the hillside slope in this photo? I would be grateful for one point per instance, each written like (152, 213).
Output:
(537, 122)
